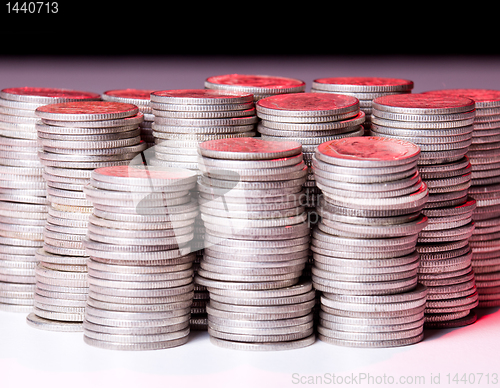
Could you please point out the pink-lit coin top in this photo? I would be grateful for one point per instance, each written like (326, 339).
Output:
(139, 94)
(368, 83)
(166, 175)
(319, 103)
(249, 148)
(50, 95)
(87, 110)
(423, 103)
(369, 150)
(482, 97)
(201, 97)
(257, 81)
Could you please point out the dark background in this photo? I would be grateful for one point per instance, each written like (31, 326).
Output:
(143, 28)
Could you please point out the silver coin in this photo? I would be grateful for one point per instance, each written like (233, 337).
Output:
(136, 346)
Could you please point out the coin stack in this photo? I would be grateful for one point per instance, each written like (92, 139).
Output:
(442, 127)
(256, 244)
(184, 118)
(484, 155)
(140, 267)
(365, 89)
(260, 86)
(23, 202)
(76, 137)
(365, 262)
(140, 98)
(310, 119)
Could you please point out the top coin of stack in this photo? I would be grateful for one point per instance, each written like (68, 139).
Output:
(140, 98)
(186, 117)
(260, 86)
(365, 89)
(23, 203)
(484, 155)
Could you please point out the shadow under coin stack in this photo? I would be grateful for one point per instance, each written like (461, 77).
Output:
(365, 262)
(365, 89)
(256, 244)
(442, 127)
(23, 202)
(76, 138)
(140, 98)
(484, 155)
(140, 267)
(260, 86)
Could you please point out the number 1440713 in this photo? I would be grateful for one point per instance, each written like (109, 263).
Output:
(472, 378)
(33, 7)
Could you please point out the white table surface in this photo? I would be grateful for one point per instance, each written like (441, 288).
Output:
(31, 357)
(36, 358)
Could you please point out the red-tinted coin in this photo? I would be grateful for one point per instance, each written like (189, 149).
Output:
(86, 110)
(363, 84)
(423, 104)
(249, 148)
(201, 96)
(143, 174)
(484, 98)
(367, 151)
(314, 104)
(136, 94)
(256, 83)
(46, 95)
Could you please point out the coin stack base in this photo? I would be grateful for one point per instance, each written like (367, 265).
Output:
(278, 319)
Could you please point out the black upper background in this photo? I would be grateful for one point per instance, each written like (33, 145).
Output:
(142, 28)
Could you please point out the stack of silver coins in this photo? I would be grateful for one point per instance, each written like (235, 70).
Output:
(256, 244)
(365, 89)
(182, 120)
(140, 267)
(140, 98)
(187, 117)
(23, 202)
(76, 138)
(310, 119)
(484, 155)
(365, 262)
(442, 126)
(260, 86)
